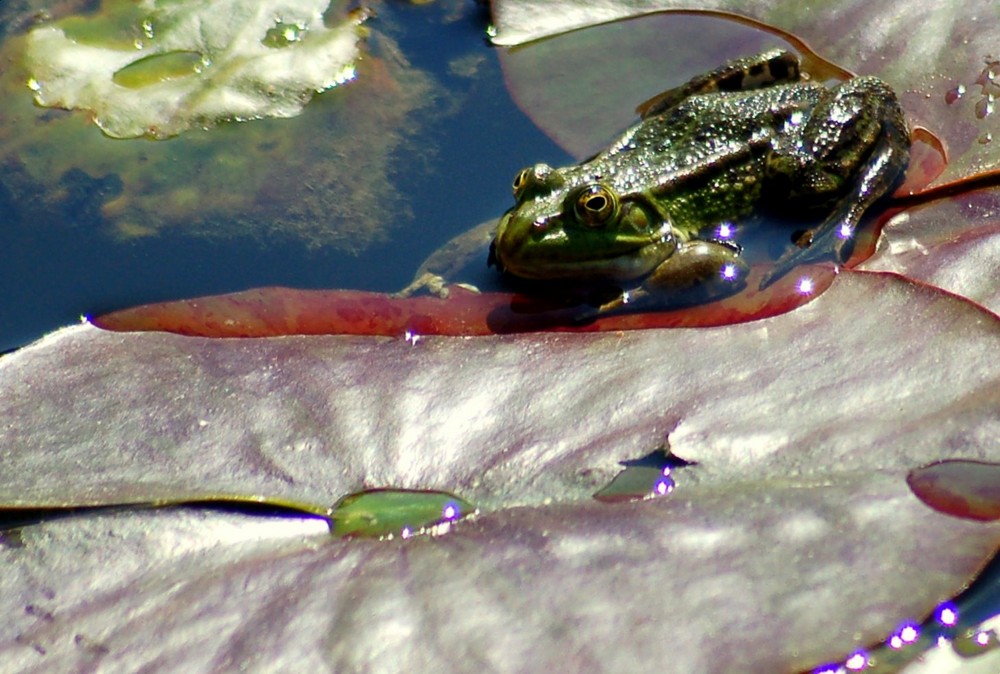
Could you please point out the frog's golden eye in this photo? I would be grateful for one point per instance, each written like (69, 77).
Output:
(521, 181)
(596, 205)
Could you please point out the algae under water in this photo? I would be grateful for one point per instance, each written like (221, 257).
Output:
(352, 193)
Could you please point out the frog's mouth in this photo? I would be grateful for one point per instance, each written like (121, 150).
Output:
(581, 254)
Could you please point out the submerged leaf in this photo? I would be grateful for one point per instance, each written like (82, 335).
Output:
(267, 184)
(191, 65)
(159, 68)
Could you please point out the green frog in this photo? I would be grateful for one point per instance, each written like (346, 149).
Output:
(655, 215)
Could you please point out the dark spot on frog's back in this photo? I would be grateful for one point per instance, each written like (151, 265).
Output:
(784, 68)
(733, 81)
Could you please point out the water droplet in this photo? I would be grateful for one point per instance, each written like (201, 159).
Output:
(986, 138)
(946, 614)
(907, 634)
(451, 511)
(283, 34)
(857, 661)
(984, 106)
(954, 94)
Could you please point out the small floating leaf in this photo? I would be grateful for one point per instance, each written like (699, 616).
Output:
(969, 489)
(158, 68)
(249, 78)
(390, 512)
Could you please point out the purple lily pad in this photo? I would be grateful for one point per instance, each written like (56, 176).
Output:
(952, 244)
(702, 584)
(803, 427)
(793, 541)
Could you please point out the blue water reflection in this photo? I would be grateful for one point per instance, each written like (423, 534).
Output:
(453, 174)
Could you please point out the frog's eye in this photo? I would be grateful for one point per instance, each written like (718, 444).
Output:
(596, 205)
(521, 181)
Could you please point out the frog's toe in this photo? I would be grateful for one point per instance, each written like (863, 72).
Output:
(432, 284)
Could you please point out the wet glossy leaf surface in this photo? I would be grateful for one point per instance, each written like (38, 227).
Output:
(953, 244)
(586, 586)
(799, 484)
(269, 312)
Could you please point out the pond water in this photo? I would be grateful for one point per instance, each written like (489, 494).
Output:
(465, 140)
(453, 172)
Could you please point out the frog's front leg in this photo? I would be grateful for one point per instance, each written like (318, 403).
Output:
(856, 148)
(697, 272)
(439, 269)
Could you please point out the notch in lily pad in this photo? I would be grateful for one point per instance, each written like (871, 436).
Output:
(648, 477)
(387, 513)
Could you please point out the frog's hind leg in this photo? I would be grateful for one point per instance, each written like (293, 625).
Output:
(860, 118)
(752, 72)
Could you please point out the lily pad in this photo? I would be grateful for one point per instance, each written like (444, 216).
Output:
(952, 244)
(803, 428)
(157, 68)
(271, 312)
(584, 587)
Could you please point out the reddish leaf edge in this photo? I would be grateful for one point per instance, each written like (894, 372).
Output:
(280, 311)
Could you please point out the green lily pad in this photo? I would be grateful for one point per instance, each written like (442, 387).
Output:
(274, 180)
(190, 64)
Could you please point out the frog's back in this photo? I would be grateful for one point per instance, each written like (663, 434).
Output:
(710, 123)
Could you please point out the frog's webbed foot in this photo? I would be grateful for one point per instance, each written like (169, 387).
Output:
(428, 282)
(432, 284)
(876, 124)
